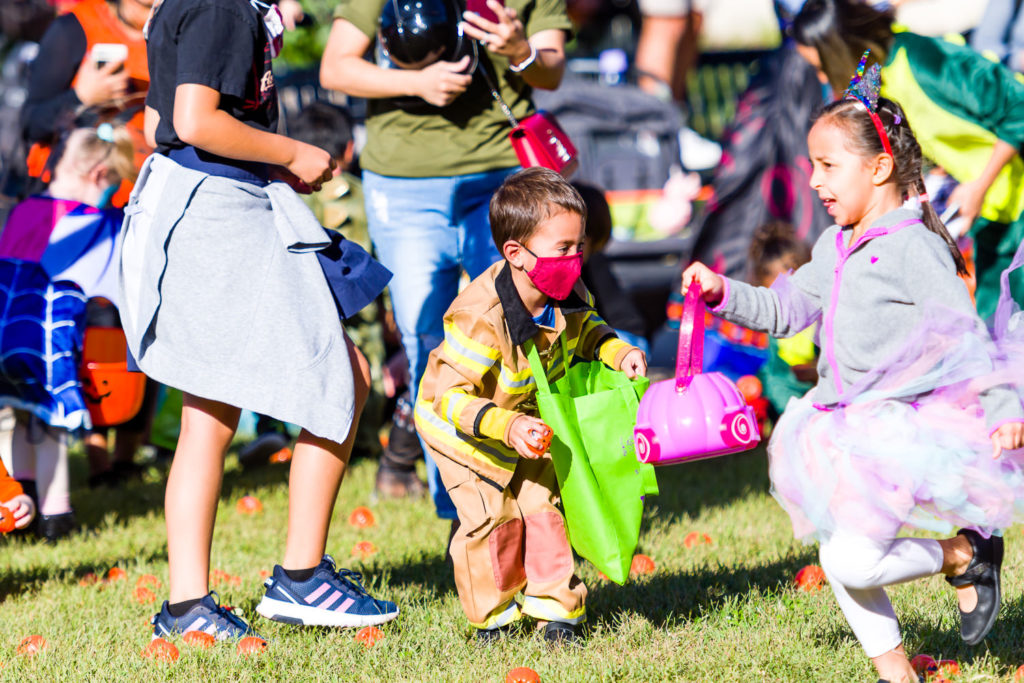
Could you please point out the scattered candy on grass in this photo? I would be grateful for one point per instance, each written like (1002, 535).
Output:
(218, 577)
(924, 665)
(641, 565)
(144, 596)
(369, 636)
(161, 650)
(364, 549)
(522, 674)
(810, 578)
(116, 574)
(948, 668)
(249, 505)
(1019, 675)
(696, 538)
(88, 580)
(251, 645)
(148, 580)
(199, 639)
(361, 518)
(264, 574)
(30, 646)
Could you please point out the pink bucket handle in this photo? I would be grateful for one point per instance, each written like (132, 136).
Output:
(690, 357)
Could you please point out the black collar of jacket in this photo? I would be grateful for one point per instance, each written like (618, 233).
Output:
(521, 327)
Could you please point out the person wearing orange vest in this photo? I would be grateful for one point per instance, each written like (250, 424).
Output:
(68, 86)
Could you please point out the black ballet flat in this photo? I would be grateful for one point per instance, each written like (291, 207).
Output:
(984, 574)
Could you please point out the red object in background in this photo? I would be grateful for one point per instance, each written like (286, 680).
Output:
(641, 564)
(361, 518)
(251, 645)
(144, 596)
(947, 668)
(364, 549)
(522, 674)
(1019, 675)
(6, 520)
(30, 646)
(161, 650)
(696, 538)
(480, 7)
(116, 574)
(752, 389)
(282, 456)
(199, 639)
(924, 665)
(810, 578)
(369, 636)
(249, 505)
(147, 580)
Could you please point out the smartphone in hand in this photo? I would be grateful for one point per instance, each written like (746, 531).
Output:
(480, 7)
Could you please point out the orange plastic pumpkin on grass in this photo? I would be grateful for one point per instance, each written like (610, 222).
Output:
(249, 505)
(810, 578)
(369, 636)
(641, 565)
(199, 639)
(161, 650)
(361, 518)
(522, 674)
(30, 646)
(696, 538)
(364, 549)
(251, 645)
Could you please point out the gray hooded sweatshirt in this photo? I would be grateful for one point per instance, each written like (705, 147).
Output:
(869, 297)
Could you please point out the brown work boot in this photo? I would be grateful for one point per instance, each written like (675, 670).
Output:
(393, 483)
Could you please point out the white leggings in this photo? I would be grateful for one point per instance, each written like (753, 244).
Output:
(858, 568)
(40, 453)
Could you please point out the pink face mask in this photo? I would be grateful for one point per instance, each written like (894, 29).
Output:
(556, 275)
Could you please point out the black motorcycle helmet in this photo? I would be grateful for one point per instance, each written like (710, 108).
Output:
(416, 33)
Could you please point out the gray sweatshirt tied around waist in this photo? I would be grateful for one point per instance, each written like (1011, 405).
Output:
(869, 297)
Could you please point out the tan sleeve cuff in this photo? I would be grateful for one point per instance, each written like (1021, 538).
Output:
(612, 351)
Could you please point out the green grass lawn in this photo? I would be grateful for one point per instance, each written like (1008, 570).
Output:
(721, 612)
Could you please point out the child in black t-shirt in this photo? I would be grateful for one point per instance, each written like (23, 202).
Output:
(234, 294)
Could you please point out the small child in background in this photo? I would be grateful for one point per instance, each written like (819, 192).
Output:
(613, 303)
(790, 369)
(473, 408)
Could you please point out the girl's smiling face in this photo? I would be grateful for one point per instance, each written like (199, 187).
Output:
(849, 184)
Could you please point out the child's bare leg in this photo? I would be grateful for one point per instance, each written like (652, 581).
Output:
(193, 486)
(318, 466)
(894, 666)
(956, 556)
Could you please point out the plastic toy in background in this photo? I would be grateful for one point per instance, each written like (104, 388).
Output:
(752, 390)
(696, 415)
(112, 394)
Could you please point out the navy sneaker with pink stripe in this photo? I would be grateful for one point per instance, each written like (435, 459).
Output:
(208, 616)
(331, 597)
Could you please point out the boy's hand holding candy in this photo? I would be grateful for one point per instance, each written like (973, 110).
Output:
(712, 286)
(634, 364)
(21, 508)
(1008, 437)
(529, 436)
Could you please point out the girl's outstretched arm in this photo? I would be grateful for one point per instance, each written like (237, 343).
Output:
(200, 122)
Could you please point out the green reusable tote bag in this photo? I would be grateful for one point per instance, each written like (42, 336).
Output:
(592, 411)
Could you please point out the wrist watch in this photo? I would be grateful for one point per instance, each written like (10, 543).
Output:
(523, 65)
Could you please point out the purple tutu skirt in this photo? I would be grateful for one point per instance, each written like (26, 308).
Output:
(911, 448)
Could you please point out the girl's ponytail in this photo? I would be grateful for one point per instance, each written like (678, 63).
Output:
(932, 222)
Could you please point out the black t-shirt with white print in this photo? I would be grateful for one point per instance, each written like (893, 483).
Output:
(221, 44)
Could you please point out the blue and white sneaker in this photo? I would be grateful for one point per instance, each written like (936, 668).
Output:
(207, 616)
(331, 597)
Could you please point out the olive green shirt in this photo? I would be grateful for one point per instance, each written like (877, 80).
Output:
(468, 136)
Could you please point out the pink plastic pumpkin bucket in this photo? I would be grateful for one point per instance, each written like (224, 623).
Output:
(696, 415)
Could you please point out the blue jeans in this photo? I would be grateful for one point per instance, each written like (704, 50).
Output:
(427, 231)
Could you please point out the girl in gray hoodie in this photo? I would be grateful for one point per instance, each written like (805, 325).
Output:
(917, 413)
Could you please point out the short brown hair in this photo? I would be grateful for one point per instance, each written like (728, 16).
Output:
(528, 197)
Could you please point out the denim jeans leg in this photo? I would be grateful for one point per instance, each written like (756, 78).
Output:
(410, 224)
(472, 215)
